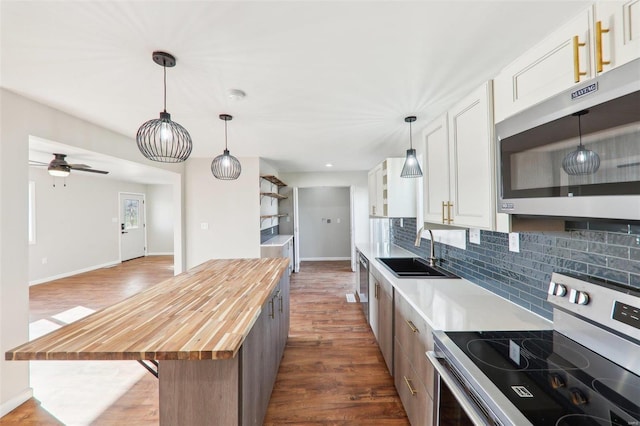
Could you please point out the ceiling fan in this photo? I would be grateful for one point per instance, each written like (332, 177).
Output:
(60, 168)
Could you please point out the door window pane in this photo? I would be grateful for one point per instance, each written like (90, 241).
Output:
(131, 214)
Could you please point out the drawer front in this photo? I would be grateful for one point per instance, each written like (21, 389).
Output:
(416, 400)
(415, 337)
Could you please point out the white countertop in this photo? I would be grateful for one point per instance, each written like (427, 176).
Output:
(277, 240)
(453, 304)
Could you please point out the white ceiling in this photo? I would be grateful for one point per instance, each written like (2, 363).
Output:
(326, 81)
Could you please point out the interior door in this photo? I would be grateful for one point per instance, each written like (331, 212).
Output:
(132, 226)
(296, 232)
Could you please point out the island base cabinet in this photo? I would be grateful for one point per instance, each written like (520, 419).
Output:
(191, 392)
(232, 391)
(412, 391)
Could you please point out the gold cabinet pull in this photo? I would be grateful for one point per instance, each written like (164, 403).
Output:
(599, 61)
(375, 293)
(576, 59)
(281, 305)
(449, 207)
(272, 314)
(412, 326)
(444, 205)
(411, 389)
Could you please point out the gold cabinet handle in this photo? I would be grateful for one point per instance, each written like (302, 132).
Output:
(375, 293)
(444, 205)
(411, 389)
(272, 314)
(281, 305)
(599, 61)
(412, 326)
(449, 207)
(576, 59)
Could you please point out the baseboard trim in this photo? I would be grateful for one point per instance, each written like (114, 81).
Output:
(10, 405)
(322, 259)
(169, 253)
(69, 274)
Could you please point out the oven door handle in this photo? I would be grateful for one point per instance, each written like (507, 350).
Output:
(467, 405)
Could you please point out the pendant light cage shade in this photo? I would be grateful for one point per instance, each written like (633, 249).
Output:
(226, 166)
(582, 161)
(411, 168)
(164, 140)
(161, 139)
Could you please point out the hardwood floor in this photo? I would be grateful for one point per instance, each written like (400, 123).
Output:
(332, 371)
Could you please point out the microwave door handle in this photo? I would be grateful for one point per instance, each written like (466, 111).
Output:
(469, 407)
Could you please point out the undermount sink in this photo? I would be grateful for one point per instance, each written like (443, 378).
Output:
(413, 267)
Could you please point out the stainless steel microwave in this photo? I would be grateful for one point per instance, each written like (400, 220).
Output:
(576, 154)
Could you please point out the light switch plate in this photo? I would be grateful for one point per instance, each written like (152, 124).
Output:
(514, 242)
(204, 225)
(474, 236)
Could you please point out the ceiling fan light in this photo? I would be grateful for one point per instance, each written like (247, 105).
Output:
(58, 170)
(226, 166)
(411, 168)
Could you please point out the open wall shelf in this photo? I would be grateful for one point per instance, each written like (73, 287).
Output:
(274, 180)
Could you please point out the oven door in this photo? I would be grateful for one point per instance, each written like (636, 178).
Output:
(454, 403)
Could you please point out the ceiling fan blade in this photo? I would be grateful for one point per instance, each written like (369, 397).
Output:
(37, 163)
(82, 169)
(79, 166)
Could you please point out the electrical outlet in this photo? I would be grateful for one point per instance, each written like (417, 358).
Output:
(401, 222)
(273, 231)
(474, 236)
(328, 220)
(514, 242)
(204, 226)
(338, 220)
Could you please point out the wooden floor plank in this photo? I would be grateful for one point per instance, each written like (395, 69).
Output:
(332, 372)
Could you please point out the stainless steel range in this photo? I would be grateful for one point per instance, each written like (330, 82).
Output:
(586, 371)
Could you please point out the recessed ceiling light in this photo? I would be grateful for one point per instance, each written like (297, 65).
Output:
(329, 165)
(236, 94)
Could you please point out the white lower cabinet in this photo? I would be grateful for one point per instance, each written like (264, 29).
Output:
(381, 316)
(460, 186)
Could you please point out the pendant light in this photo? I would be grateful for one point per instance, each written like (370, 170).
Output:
(161, 139)
(411, 168)
(226, 166)
(582, 161)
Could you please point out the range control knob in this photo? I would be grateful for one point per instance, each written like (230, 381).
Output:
(556, 381)
(579, 297)
(577, 397)
(556, 289)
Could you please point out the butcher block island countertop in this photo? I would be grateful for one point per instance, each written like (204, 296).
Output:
(204, 313)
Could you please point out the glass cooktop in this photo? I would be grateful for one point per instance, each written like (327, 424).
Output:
(553, 380)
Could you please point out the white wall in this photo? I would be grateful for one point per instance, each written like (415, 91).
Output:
(160, 221)
(20, 118)
(230, 210)
(324, 223)
(361, 193)
(75, 227)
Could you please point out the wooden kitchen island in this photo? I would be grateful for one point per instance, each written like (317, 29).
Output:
(217, 331)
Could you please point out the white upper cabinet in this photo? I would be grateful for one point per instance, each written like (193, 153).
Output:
(459, 188)
(616, 33)
(389, 194)
(557, 63)
(602, 37)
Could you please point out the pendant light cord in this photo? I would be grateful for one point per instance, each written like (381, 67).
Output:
(165, 86)
(410, 138)
(580, 129)
(225, 135)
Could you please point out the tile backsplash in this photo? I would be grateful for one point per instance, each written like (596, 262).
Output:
(607, 251)
(268, 233)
